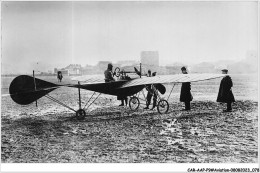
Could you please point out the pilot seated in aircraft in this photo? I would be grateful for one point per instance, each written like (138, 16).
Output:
(185, 95)
(108, 73)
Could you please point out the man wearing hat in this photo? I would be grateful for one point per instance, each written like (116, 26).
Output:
(225, 94)
(108, 73)
(185, 95)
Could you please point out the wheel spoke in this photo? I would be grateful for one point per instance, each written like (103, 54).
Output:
(163, 106)
(134, 103)
(80, 114)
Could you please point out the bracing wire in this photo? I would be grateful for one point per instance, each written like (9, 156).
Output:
(93, 101)
(89, 100)
(59, 102)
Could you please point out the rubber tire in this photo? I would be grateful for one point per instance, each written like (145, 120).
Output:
(80, 114)
(166, 104)
(130, 101)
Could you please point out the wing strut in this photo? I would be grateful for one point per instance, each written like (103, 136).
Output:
(79, 96)
(34, 86)
(170, 92)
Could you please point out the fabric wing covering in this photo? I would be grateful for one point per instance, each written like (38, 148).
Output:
(90, 79)
(164, 79)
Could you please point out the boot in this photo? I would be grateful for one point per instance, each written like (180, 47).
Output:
(154, 105)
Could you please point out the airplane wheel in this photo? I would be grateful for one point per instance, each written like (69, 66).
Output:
(163, 106)
(80, 114)
(134, 103)
(116, 72)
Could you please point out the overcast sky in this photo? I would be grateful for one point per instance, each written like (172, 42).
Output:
(44, 35)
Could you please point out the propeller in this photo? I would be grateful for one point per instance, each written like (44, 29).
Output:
(117, 72)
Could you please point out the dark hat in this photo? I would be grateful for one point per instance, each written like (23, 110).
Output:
(183, 68)
(225, 70)
(109, 65)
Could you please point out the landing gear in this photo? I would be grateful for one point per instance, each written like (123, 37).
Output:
(80, 114)
(134, 103)
(163, 106)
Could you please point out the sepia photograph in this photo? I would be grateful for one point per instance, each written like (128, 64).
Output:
(119, 82)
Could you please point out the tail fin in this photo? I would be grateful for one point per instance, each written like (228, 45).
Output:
(22, 89)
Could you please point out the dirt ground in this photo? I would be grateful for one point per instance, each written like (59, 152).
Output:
(50, 133)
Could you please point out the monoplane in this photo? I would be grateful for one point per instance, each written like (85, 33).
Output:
(25, 89)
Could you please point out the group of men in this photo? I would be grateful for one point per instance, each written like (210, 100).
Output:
(225, 94)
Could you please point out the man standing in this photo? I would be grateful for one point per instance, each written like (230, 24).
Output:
(185, 96)
(225, 94)
(151, 92)
(59, 76)
(108, 73)
(122, 97)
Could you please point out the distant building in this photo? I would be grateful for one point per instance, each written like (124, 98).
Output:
(63, 71)
(74, 69)
(150, 58)
(88, 70)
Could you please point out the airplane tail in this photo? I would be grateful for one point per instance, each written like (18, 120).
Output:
(25, 89)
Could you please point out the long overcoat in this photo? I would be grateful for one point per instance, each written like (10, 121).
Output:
(225, 94)
(185, 92)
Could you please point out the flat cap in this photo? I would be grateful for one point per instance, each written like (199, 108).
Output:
(225, 70)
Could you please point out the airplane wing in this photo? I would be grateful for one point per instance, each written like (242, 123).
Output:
(177, 78)
(90, 79)
(96, 79)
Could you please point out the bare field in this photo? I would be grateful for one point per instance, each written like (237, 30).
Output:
(50, 133)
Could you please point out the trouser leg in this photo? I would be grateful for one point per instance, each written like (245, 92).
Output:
(187, 105)
(148, 101)
(154, 100)
(229, 107)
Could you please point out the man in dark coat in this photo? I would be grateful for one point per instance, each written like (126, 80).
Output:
(225, 94)
(59, 76)
(108, 73)
(186, 96)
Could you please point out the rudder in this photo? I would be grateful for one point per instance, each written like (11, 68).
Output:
(22, 89)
